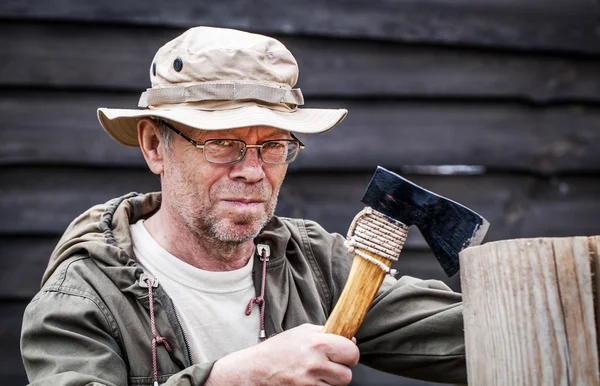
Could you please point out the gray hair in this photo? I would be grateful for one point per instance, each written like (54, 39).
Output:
(166, 134)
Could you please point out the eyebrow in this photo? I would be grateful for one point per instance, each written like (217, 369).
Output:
(274, 135)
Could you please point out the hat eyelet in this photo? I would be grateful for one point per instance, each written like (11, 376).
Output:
(178, 64)
(154, 68)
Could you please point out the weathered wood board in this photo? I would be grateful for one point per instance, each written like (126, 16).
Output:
(60, 55)
(44, 200)
(530, 312)
(502, 136)
(535, 24)
(11, 366)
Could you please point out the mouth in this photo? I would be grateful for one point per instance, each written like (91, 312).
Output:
(242, 202)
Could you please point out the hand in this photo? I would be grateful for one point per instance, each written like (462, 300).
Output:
(300, 356)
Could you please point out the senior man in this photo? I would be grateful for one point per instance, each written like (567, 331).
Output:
(201, 283)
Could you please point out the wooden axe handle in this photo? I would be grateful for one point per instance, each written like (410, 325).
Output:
(362, 285)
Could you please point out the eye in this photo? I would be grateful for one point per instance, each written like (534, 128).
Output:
(223, 142)
(273, 145)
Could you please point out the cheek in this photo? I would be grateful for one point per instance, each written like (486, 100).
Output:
(211, 181)
(186, 175)
(275, 174)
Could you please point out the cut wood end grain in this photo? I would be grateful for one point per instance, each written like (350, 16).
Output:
(530, 312)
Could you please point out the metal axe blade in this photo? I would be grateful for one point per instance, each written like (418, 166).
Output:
(447, 226)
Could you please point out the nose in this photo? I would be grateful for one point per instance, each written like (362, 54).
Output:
(250, 168)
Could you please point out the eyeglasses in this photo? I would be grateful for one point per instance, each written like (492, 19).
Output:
(229, 151)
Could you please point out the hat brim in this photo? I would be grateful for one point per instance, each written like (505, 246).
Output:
(121, 124)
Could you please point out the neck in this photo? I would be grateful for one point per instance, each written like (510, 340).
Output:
(202, 252)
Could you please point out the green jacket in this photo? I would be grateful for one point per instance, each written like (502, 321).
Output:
(90, 322)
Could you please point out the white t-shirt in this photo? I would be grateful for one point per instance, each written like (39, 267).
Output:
(210, 305)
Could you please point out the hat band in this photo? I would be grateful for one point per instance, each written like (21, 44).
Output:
(220, 91)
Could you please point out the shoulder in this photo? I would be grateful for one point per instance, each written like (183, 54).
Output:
(67, 296)
(73, 275)
(78, 280)
(71, 283)
(77, 296)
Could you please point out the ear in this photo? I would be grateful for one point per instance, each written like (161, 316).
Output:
(150, 143)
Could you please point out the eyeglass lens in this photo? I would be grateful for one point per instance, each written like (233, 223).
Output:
(231, 150)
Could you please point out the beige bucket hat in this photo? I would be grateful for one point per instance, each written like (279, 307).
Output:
(216, 78)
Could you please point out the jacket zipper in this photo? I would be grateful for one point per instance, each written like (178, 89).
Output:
(185, 340)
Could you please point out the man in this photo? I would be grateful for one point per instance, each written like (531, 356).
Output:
(183, 286)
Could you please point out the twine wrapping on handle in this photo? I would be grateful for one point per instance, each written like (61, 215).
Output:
(376, 233)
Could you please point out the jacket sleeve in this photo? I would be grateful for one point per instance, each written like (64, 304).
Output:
(66, 340)
(414, 328)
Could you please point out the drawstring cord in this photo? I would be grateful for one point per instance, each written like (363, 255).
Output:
(156, 339)
(260, 300)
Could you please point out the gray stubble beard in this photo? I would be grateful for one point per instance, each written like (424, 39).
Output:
(207, 227)
(212, 229)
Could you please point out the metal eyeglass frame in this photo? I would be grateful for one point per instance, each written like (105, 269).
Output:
(244, 151)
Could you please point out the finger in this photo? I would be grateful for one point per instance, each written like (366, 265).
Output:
(341, 350)
(353, 340)
(334, 374)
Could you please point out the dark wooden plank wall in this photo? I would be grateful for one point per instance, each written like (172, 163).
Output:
(509, 88)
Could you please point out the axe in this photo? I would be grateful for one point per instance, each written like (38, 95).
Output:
(377, 235)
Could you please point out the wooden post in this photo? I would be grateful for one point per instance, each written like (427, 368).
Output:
(530, 312)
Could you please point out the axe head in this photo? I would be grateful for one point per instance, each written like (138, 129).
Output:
(447, 226)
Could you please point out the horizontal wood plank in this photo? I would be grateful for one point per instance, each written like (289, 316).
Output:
(24, 260)
(45, 200)
(12, 372)
(535, 24)
(61, 128)
(118, 58)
